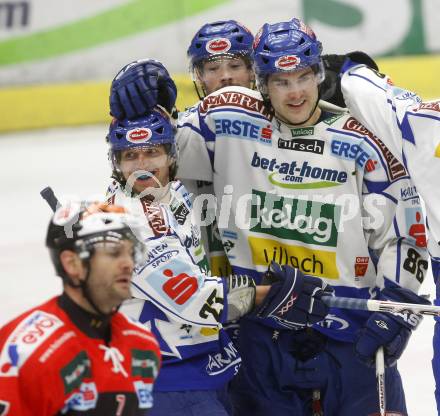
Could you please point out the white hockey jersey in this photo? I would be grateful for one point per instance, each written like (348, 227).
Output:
(211, 240)
(176, 298)
(406, 124)
(330, 199)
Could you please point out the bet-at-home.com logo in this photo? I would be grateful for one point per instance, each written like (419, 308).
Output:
(310, 222)
(302, 175)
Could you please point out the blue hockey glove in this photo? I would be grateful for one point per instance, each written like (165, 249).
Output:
(330, 88)
(139, 87)
(293, 301)
(392, 331)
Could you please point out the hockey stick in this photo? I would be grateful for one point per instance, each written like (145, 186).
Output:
(48, 195)
(380, 305)
(380, 375)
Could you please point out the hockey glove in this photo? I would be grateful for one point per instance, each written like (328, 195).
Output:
(330, 88)
(293, 301)
(392, 331)
(139, 87)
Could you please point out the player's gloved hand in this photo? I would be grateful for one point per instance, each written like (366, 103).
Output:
(333, 64)
(139, 87)
(293, 301)
(392, 331)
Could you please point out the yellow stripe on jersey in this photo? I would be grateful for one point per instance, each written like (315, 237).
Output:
(318, 263)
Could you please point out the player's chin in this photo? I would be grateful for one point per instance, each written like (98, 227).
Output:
(122, 289)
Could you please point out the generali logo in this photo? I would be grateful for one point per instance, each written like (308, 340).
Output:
(218, 45)
(395, 168)
(287, 62)
(140, 135)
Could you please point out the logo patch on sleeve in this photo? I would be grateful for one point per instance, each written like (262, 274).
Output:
(75, 372)
(144, 364)
(30, 333)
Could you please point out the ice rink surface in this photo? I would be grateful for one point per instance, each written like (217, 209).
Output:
(74, 162)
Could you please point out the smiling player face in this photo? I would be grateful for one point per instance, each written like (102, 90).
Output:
(294, 96)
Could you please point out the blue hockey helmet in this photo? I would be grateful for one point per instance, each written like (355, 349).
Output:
(153, 129)
(286, 47)
(224, 37)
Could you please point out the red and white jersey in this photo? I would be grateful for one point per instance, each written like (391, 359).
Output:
(51, 364)
(407, 126)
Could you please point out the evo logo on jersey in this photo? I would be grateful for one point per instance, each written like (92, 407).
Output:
(351, 149)
(144, 364)
(316, 262)
(310, 222)
(222, 361)
(25, 339)
(302, 145)
(85, 399)
(244, 130)
(75, 372)
(290, 175)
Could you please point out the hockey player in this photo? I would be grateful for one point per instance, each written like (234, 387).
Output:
(75, 354)
(219, 55)
(305, 166)
(411, 127)
(173, 295)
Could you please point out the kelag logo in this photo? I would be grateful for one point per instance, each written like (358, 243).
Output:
(303, 176)
(292, 219)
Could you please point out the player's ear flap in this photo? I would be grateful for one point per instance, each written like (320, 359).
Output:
(71, 263)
